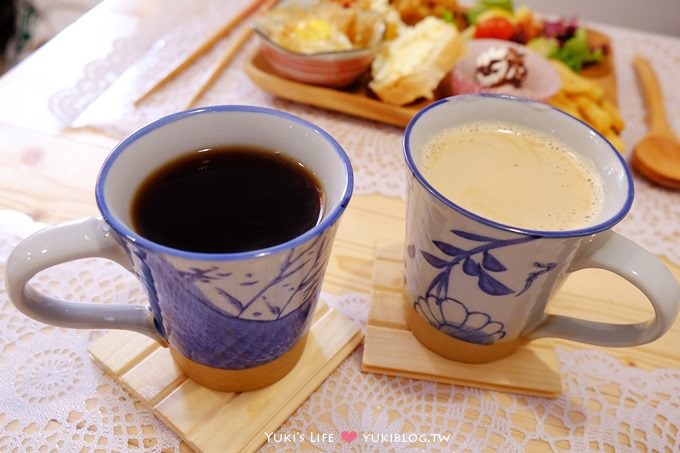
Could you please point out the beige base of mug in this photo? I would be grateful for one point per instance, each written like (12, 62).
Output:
(243, 380)
(452, 348)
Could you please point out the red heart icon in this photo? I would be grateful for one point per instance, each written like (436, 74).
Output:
(348, 436)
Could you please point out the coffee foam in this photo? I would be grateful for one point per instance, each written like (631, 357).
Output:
(513, 175)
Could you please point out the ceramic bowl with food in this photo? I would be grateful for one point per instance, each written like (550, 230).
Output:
(323, 44)
(333, 69)
(474, 73)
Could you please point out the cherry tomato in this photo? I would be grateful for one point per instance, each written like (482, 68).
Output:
(496, 28)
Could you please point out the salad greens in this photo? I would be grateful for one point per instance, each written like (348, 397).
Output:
(484, 5)
(561, 38)
(575, 51)
(447, 16)
(545, 47)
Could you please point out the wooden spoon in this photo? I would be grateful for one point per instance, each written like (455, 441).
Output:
(657, 155)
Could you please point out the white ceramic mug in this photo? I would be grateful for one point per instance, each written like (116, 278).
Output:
(476, 289)
(233, 321)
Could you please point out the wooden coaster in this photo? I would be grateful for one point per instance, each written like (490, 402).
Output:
(390, 347)
(212, 421)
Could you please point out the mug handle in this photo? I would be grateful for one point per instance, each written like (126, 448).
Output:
(90, 237)
(615, 253)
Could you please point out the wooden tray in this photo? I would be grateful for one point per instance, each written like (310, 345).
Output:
(212, 421)
(357, 100)
(390, 347)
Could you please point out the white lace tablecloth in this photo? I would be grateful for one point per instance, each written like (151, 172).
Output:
(52, 395)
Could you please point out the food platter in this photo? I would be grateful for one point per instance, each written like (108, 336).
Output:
(357, 99)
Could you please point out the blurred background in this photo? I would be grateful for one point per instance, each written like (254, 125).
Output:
(27, 24)
(657, 16)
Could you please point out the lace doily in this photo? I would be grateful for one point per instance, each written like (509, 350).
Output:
(52, 395)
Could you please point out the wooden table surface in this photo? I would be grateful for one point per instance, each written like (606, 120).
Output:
(49, 172)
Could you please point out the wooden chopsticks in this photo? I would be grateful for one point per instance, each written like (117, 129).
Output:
(208, 44)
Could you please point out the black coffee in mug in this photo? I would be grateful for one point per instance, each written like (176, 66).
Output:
(226, 200)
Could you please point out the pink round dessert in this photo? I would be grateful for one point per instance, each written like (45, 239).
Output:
(542, 80)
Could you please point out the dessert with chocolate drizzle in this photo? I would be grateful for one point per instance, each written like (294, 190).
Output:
(500, 66)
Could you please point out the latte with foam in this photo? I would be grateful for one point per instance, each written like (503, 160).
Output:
(513, 175)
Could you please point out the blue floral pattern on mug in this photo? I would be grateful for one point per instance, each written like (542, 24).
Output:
(270, 298)
(478, 262)
(453, 318)
(227, 316)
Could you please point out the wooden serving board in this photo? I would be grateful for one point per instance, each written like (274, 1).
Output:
(390, 347)
(212, 421)
(358, 100)
(604, 72)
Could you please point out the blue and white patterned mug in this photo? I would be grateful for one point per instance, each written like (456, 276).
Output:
(234, 321)
(476, 289)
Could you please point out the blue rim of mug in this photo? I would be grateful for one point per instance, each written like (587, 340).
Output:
(317, 230)
(605, 225)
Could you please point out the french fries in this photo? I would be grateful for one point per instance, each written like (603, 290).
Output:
(617, 121)
(574, 84)
(585, 100)
(593, 113)
(562, 102)
(614, 139)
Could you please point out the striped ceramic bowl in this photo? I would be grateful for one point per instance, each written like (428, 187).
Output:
(332, 69)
